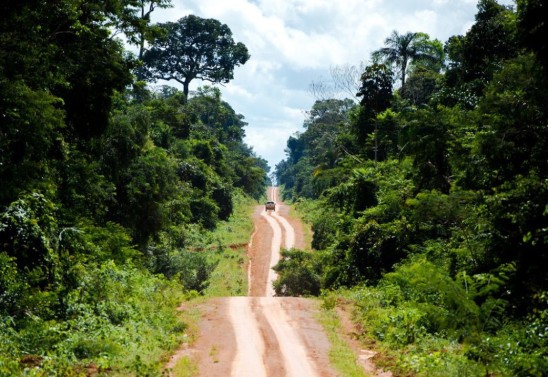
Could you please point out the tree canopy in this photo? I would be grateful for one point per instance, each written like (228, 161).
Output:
(401, 50)
(194, 48)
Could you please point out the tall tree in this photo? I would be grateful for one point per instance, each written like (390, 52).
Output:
(402, 49)
(532, 27)
(376, 93)
(195, 48)
(135, 22)
(476, 57)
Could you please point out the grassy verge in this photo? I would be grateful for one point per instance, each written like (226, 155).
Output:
(227, 248)
(190, 315)
(229, 277)
(342, 357)
(229, 241)
(185, 368)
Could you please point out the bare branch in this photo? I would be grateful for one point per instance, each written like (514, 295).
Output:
(343, 82)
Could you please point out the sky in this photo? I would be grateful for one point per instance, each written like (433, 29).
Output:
(294, 43)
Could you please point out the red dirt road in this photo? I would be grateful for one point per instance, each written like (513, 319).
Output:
(262, 335)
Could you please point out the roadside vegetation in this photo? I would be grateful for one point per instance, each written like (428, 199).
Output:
(226, 249)
(112, 189)
(342, 357)
(428, 200)
(119, 200)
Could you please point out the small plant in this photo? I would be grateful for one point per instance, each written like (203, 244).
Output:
(214, 353)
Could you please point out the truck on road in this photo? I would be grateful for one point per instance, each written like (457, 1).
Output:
(270, 206)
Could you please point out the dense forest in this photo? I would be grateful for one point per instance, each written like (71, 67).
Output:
(106, 180)
(428, 197)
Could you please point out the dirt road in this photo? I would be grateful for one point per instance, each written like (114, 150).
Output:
(262, 335)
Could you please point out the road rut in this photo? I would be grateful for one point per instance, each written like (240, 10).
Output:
(263, 335)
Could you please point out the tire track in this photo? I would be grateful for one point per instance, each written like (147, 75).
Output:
(275, 247)
(268, 341)
(249, 343)
(288, 236)
(296, 359)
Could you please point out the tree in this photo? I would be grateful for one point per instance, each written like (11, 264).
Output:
(327, 120)
(423, 81)
(376, 88)
(427, 136)
(477, 56)
(532, 27)
(194, 48)
(343, 82)
(136, 20)
(403, 49)
(210, 115)
(376, 93)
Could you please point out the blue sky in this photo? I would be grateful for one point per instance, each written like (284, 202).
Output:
(296, 42)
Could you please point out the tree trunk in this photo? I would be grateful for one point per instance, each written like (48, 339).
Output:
(403, 69)
(185, 90)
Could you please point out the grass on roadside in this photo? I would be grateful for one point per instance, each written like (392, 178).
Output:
(341, 355)
(185, 367)
(230, 242)
(229, 277)
(227, 247)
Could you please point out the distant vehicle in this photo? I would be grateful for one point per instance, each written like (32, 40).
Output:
(270, 206)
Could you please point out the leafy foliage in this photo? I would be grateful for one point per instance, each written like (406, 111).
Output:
(403, 50)
(433, 214)
(107, 188)
(297, 274)
(194, 48)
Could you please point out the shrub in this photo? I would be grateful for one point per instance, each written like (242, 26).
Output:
(192, 268)
(12, 287)
(450, 308)
(28, 232)
(298, 274)
(204, 212)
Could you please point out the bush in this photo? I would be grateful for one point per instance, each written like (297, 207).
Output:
(298, 274)
(325, 230)
(12, 287)
(192, 268)
(204, 212)
(28, 233)
(450, 308)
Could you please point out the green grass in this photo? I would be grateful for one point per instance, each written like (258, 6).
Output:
(228, 248)
(190, 314)
(185, 367)
(341, 355)
(229, 277)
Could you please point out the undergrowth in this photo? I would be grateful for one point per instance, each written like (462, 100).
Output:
(121, 321)
(427, 339)
(118, 316)
(226, 247)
